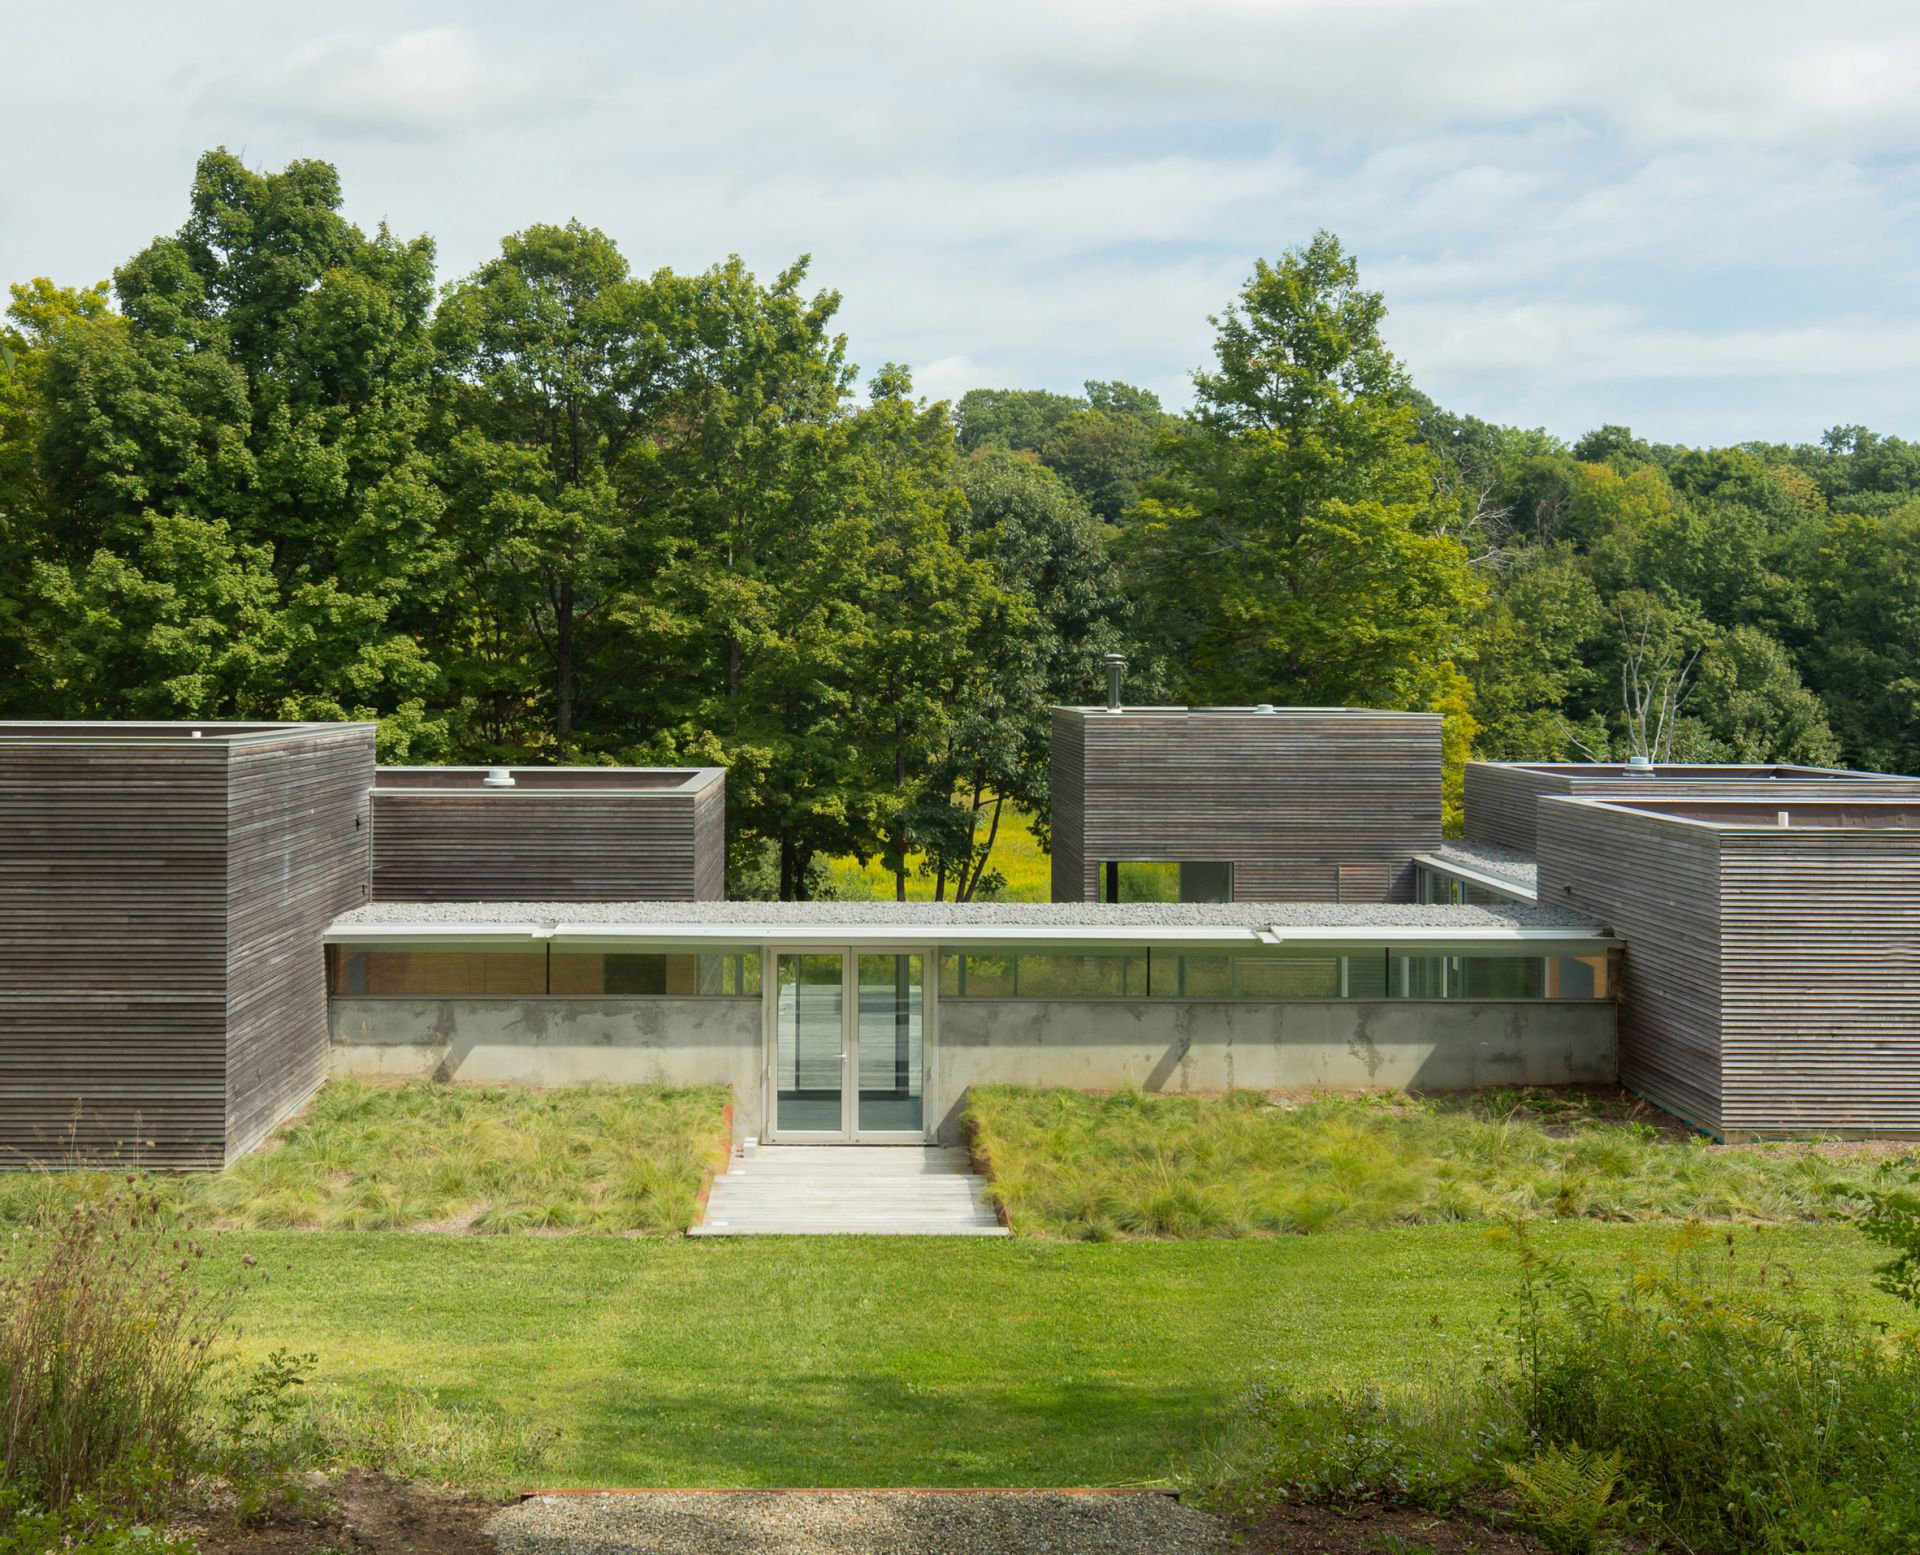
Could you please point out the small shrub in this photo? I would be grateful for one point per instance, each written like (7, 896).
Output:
(267, 1438)
(81, 1527)
(1566, 1495)
(1743, 1416)
(1891, 1217)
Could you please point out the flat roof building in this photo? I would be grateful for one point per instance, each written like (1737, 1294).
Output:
(559, 834)
(1242, 804)
(1503, 797)
(163, 889)
(1768, 985)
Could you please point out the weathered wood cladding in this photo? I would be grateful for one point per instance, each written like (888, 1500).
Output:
(1307, 804)
(298, 857)
(710, 842)
(1503, 798)
(145, 922)
(1067, 786)
(1820, 1024)
(1655, 884)
(551, 839)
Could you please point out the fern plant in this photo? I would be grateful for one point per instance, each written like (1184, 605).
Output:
(1566, 1494)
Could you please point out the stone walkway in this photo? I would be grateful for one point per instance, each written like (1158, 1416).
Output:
(849, 1190)
(857, 1522)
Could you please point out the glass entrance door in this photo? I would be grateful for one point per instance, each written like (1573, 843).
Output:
(810, 1041)
(849, 1048)
(891, 1046)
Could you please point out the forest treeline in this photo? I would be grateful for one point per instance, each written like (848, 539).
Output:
(561, 510)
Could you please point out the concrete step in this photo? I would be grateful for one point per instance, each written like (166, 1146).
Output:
(849, 1190)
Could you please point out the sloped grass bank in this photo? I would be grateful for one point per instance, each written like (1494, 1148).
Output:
(1127, 1164)
(422, 1156)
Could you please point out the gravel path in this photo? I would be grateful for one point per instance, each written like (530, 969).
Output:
(856, 1522)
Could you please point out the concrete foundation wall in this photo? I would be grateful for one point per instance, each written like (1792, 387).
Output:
(557, 1042)
(1343, 1045)
(1159, 1044)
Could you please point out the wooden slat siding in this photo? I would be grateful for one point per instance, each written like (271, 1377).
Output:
(1502, 798)
(536, 847)
(1821, 1022)
(113, 953)
(1288, 798)
(1656, 885)
(298, 856)
(1069, 808)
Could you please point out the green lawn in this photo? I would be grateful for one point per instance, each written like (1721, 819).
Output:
(887, 1362)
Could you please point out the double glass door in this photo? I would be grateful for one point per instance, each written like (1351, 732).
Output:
(849, 1047)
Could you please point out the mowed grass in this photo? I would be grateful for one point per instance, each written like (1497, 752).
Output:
(366, 1157)
(1016, 855)
(1127, 1164)
(886, 1361)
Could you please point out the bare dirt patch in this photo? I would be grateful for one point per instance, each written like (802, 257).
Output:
(364, 1514)
(1373, 1529)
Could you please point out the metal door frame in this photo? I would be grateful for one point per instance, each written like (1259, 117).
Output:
(850, 1132)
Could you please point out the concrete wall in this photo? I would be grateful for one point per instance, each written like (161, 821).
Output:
(1158, 1044)
(1202, 1045)
(652, 1041)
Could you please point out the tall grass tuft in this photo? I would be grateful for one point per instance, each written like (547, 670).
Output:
(107, 1334)
(1072, 1164)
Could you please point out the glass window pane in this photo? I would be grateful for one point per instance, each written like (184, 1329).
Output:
(986, 977)
(1192, 977)
(1063, 976)
(1498, 977)
(892, 1009)
(809, 1057)
(441, 974)
(1286, 977)
(1206, 882)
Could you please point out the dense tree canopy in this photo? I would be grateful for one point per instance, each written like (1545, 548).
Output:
(568, 510)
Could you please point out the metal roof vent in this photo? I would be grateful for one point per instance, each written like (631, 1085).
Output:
(1639, 766)
(498, 777)
(1116, 667)
(1264, 707)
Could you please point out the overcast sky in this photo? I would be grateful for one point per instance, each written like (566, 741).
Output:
(1698, 217)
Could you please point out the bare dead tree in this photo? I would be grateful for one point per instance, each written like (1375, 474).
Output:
(1654, 686)
(1485, 528)
(1655, 682)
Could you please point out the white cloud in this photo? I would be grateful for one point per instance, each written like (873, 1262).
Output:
(426, 83)
(1585, 211)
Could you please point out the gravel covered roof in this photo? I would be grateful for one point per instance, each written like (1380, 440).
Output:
(1129, 918)
(1491, 859)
